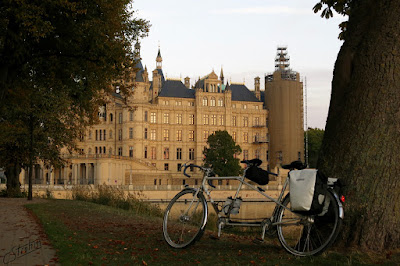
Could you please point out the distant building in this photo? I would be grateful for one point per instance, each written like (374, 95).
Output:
(145, 138)
(284, 100)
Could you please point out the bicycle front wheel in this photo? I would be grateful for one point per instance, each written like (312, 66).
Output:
(185, 218)
(309, 234)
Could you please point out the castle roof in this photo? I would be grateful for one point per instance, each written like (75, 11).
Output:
(241, 93)
(175, 88)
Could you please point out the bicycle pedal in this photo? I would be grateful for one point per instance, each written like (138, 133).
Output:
(214, 237)
(258, 240)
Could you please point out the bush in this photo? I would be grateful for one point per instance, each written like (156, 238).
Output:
(115, 197)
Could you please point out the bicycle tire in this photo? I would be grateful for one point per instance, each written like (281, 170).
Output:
(310, 235)
(185, 219)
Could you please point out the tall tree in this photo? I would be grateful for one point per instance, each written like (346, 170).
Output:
(220, 154)
(362, 136)
(57, 59)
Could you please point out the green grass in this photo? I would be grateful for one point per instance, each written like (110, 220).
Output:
(88, 233)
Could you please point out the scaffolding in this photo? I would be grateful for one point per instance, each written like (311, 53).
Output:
(282, 64)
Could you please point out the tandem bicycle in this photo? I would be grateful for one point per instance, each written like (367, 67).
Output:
(300, 234)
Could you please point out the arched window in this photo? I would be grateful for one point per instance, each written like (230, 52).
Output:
(205, 101)
(220, 102)
(212, 101)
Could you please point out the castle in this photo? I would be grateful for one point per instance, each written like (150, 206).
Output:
(145, 138)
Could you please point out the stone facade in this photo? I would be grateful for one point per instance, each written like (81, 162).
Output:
(143, 139)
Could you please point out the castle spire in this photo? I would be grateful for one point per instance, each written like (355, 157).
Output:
(159, 59)
(221, 76)
(137, 50)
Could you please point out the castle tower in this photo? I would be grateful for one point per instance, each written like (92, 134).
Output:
(187, 82)
(221, 76)
(257, 88)
(284, 100)
(137, 51)
(159, 60)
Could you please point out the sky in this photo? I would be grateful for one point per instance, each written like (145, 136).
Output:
(198, 36)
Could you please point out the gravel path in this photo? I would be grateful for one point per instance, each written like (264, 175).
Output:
(22, 241)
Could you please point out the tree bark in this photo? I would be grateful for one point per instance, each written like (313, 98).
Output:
(12, 172)
(362, 138)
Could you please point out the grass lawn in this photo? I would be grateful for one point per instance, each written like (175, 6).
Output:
(87, 233)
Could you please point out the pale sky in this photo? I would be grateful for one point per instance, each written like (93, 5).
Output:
(198, 36)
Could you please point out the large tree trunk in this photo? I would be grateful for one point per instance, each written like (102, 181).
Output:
(12, 172)
(362, 139)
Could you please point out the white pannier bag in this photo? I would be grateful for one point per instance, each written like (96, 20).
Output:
(307, 191)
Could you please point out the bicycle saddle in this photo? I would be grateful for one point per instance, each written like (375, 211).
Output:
(255, 162)
(294, 165)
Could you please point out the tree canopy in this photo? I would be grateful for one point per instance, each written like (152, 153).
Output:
(58, 60)
(220, 154)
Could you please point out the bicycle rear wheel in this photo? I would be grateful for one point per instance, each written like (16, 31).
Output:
(310, 234)
(185, 218)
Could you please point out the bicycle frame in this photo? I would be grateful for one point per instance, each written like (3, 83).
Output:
(241, 179)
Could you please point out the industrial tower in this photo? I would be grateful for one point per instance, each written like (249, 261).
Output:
(284, 100)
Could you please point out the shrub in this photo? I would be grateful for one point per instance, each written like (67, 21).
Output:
(115, 197)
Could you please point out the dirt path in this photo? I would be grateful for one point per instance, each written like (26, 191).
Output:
(22, 241)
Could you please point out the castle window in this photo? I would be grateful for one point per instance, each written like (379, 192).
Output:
(96, 135)
(153, 153)
(153, 134)
(145, 152)
(111, 117)
(256, 121)
(131, 133)
(234, 136)
(191, 119)
(212, 101)
(191, 154)
(244, 106)
(245, 154)
(191, 103)
(153, 118)
(166, 153)
(234, 121)
(257, 154)
(119, 134)
(179, 118)
(104, 131)
(178, 103)
(120, 151)
(205, 101)
(179, 135)
(166, 118)
(191, 135)
(245, 137)
(145, 116)
(179, 153)
(120, 118)
(145, 133)
(131, 116)
(213, 120)
(220, 102)
(245, 121)
(166, 134)
(166, 167)
(221, 120)
(205, 120)
(205, 134)
(130, 151)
